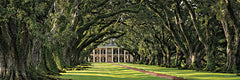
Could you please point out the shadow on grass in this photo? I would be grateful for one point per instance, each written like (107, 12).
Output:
(107, 71)
(187, 74)
(108, 77)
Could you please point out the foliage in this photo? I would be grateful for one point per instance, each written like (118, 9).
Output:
(50, 35)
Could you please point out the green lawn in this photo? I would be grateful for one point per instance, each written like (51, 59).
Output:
(107, 71)
(187, 74)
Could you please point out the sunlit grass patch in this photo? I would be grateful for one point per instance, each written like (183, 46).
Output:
(107, 71)
(187, 74)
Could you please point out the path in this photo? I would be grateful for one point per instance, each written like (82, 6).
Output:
(107, 71)
(152, 73)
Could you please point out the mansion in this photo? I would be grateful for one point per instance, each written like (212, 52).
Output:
(110, 53)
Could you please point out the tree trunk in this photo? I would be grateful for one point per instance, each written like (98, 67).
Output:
(36, 54)
(176, 61)
(152, 61)
(238, 63)
(2, 63)
(188, 62)
(232, 45)
(66, 55)
(168, 59)
(229, 63)
(210, 63)
(159, 59)
(236, 35)
(13, 67)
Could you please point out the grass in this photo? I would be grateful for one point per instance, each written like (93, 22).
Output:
(187, 74)
(107, 71)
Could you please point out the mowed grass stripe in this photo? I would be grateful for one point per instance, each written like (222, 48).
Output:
(186, 74)
(107, 71)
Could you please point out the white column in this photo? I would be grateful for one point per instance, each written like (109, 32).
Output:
(100, 52)
(124, 56)
(118, 55)
(112, 54)
(106, 55)
(131, 58)
(127, 58)
(88, 59)
(94, 55)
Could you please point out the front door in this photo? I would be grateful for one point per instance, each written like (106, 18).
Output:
(109, 59)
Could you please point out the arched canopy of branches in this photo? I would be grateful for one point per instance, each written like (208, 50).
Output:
(41, 37)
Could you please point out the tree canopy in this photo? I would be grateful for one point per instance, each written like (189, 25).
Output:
(41, 37)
